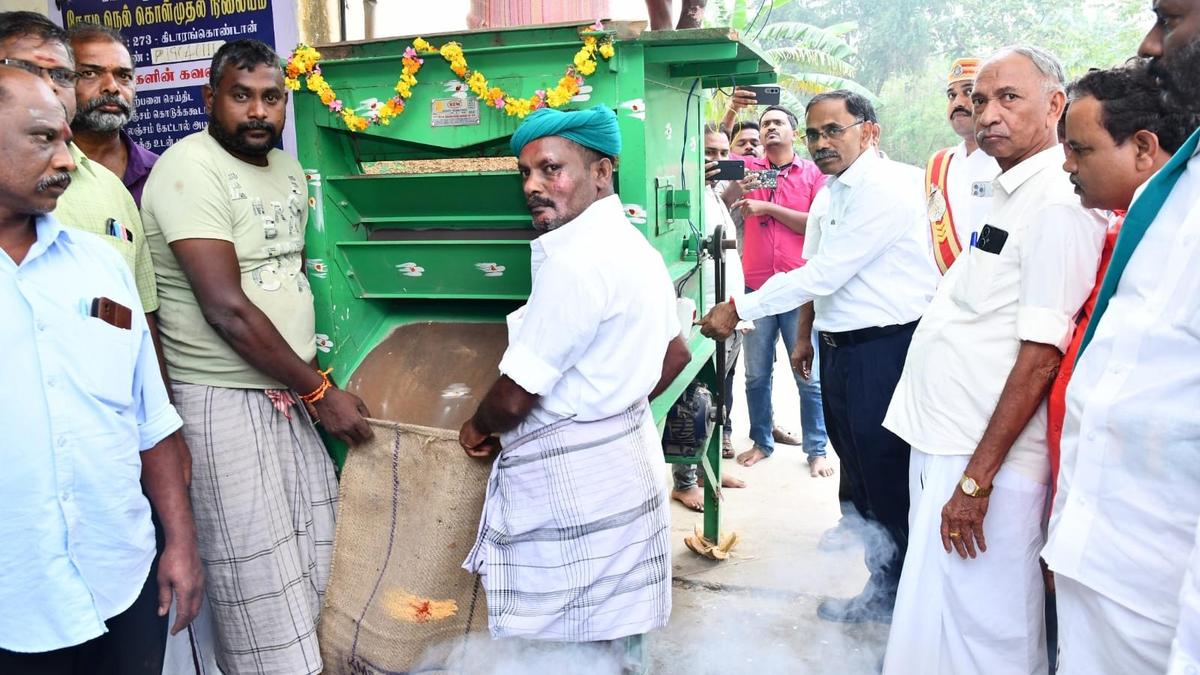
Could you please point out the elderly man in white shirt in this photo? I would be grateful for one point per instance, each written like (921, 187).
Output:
(870, 277)
(87, 425)
(971, 401)
(1128, 500)
(573, 543)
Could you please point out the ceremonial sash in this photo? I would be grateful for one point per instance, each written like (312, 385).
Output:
(946, 246)
(1141, 214)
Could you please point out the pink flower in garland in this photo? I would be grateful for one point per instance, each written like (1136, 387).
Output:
(336, 106)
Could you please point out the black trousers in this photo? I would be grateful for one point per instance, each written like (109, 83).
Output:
(857, 382)
(134, 644)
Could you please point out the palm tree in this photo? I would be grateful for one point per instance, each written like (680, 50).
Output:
(810, 59)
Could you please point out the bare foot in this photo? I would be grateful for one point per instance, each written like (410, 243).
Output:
(751, 457)
(727, 481)
(731, 482)
(819, 467)
(693, 498)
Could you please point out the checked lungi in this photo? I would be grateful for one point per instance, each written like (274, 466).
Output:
(264, 495)
(574, 539)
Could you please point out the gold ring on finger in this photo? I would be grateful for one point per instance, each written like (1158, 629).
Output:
(955, 535)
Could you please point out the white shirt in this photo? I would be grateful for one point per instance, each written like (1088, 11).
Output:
(1129, 487)
(592, 338)
(868, 260)
(969, 183)
(966, 345)
(1185, 652)
(81, 398)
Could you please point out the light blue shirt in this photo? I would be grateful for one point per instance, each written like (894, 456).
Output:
(80, 399)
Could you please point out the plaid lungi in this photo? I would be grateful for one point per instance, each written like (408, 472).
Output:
(573, 543)
(264, 497)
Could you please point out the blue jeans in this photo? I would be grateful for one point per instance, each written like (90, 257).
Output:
(759, 353)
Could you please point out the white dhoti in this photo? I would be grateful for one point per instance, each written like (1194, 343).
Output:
(981, 615)
(574, 540)
(1185, 652)
(1097, 636)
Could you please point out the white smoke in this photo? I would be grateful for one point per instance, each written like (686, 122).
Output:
(478, 654)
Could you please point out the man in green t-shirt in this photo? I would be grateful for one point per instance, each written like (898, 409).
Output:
(225, 213)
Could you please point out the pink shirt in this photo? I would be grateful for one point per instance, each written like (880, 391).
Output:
(770, 247)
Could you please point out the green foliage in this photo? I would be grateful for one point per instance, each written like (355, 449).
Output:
(912, 113)
(897, 52)
(810, 59)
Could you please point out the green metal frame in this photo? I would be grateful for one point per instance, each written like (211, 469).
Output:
(372, 262)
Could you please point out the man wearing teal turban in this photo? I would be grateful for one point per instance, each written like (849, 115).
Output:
(574, 544)
(551, 135)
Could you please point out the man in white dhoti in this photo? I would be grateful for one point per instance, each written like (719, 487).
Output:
(1125, 513)
(573, 542)
(971, 399)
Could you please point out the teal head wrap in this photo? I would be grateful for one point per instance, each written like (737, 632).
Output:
(595, 128)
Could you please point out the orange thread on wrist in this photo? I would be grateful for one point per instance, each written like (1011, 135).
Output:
(319, 393)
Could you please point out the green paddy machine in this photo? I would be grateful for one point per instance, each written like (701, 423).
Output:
(418, 237)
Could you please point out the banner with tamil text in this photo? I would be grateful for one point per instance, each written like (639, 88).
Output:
(172, 44)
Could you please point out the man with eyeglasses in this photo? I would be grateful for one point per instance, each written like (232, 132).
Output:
(88, 427)
(971, 401)
(869, 278)
(104, 97)
(97, 201)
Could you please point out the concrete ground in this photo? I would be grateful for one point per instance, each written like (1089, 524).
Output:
(756, 612)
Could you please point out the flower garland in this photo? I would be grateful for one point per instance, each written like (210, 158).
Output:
(304, 62)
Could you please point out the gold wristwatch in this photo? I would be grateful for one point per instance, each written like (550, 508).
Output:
(972, 489)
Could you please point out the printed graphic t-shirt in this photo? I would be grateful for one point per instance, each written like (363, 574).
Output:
(198, 190)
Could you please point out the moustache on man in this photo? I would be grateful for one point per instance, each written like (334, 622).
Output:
(1155, 69)
(106, 99)
(62, 180)
(960, 110)
(257, 125)
(825, 153)
(534, 202)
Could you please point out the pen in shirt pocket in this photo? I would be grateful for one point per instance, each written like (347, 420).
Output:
(116, 229)
(974, 239)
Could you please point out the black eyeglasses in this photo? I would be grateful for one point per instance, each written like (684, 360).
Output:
(63, 77)
(832, 132)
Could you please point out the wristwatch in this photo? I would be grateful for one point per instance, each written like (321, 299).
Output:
(972, 489)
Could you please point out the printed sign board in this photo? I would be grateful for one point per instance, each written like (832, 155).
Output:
(172, 44)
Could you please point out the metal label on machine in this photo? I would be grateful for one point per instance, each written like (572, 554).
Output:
(454, 112)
